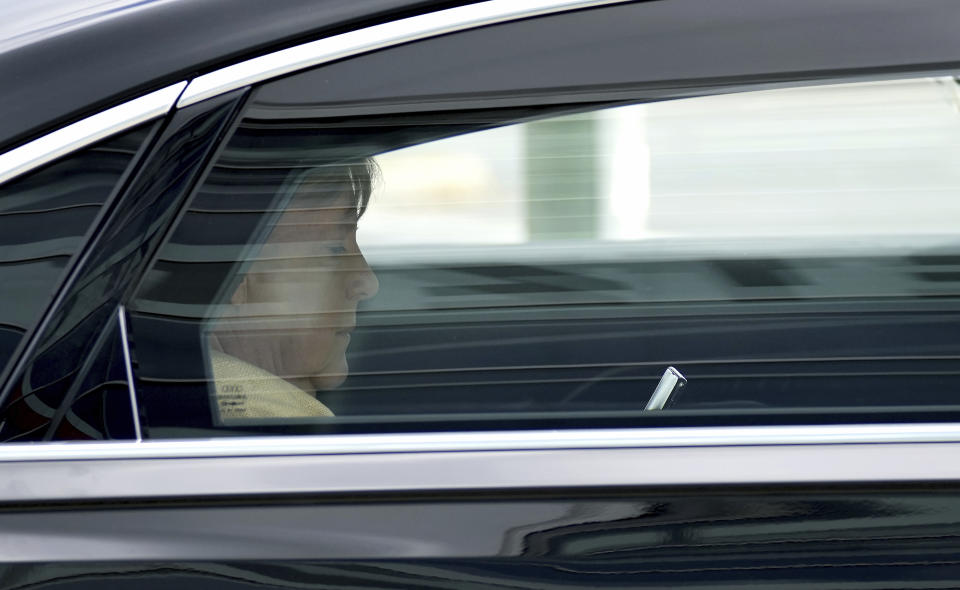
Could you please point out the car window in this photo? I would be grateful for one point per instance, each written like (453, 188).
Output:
(45, 217)
(767, 253)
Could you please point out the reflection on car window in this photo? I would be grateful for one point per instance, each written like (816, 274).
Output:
(785, 250)
(44, 217)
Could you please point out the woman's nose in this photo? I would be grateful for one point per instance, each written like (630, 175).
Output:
(363, 282)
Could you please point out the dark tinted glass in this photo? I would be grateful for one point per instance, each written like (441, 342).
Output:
(45, 218)
(516, 267)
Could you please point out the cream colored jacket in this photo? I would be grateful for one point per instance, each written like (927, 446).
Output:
(245, 391)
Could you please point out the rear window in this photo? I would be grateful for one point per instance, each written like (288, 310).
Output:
(46, 217)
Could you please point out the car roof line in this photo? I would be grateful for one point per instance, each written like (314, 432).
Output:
(372, 38)
(88, 131)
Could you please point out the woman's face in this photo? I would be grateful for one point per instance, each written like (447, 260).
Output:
(300, 296)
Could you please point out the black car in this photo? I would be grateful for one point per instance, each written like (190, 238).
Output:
(501, 294)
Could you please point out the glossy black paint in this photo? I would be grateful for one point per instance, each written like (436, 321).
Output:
(60, 61)
(883, 537)
(813, 537)
(647, 50)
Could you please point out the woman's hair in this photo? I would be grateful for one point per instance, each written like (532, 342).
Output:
(365, 175)
(356, 179)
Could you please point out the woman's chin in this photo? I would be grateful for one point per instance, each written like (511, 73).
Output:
(333, 377)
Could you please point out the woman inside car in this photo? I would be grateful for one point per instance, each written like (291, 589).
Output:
(283, 334)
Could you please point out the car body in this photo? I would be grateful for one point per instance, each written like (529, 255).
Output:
(496, 428)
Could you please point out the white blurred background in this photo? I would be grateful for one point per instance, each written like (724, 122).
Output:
(840, 163)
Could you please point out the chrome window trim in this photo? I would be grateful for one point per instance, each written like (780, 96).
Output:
(372, 38)
(488, 441)
(88, 131)
(128, 370)
(404, 473)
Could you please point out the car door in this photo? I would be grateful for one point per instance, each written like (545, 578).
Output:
(556, 203)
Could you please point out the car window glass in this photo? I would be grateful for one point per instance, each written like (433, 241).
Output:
(783, 250)
(44, 219)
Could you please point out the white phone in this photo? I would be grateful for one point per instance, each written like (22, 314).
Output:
(669, 383)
